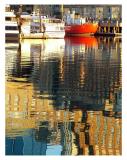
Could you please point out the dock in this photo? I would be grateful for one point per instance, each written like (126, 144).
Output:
(109, 28)
(33, 36)
(42, 36)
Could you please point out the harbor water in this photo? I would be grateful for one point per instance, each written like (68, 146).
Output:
(63, 96)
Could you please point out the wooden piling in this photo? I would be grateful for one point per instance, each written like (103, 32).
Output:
(109, 29)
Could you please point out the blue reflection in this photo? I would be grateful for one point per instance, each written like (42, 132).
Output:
(14, 146)
(54, 150)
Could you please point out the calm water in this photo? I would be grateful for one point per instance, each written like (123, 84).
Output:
(63, 97)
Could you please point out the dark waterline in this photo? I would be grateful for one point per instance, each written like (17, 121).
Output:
(63, 97)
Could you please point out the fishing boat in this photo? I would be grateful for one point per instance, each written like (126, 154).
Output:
(81, 29)
(11, 27)
(78, 26)
(43, 27)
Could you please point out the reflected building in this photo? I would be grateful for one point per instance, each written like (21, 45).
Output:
(76, 131)
(70, 100)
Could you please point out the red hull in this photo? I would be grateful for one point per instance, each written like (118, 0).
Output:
(87, 28)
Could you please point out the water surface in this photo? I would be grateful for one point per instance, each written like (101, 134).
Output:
(63, 97)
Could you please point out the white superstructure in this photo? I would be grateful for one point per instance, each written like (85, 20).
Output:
(49, 27)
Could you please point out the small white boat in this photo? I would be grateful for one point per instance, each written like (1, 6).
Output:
(11, 27)
(41, 27)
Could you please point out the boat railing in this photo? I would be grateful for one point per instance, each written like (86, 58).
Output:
(79, 21)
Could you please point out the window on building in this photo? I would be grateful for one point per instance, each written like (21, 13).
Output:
(99, 12)
(115, 12)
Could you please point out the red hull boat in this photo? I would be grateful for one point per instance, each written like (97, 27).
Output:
(75, 29)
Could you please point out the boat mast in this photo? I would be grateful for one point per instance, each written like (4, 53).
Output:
(19, 18)
(61, 11)
(40, 17)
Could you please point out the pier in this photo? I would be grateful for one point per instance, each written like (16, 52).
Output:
(109, 28)
(40, 36)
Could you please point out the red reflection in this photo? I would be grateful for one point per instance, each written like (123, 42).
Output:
(87, 41)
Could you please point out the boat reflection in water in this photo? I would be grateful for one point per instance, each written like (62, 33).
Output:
(63, 97)
(86, 41)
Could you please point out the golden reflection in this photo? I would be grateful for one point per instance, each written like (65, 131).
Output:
(82, 74)
(104, 132)
(61, 77)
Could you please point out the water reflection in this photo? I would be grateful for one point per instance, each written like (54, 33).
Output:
(63, 97)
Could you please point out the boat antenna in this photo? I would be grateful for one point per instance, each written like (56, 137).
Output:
(62, 7)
